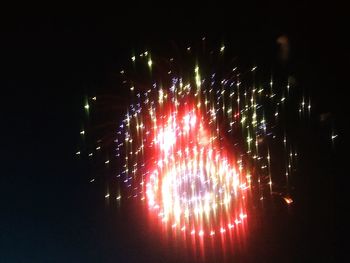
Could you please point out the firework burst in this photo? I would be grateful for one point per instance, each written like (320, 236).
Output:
(198, 140)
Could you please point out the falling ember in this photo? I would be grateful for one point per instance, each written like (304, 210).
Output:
(288, 200)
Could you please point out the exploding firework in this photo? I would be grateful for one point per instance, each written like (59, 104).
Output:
(199, 137)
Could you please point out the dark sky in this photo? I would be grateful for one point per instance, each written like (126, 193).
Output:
(49, 212)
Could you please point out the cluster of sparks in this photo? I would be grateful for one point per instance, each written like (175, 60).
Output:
(193, 180)
(198, 146)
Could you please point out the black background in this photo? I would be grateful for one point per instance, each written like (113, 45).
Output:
(49, 211)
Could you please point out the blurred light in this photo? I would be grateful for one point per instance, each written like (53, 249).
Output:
(288, 200)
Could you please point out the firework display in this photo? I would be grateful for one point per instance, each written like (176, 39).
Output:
(198, 139)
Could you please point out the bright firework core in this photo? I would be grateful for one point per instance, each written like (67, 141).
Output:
(194, 184)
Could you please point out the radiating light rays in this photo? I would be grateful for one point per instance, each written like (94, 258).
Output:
(193, 179)
(197, 146)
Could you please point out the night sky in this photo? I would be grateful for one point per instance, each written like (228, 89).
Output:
(50, 212)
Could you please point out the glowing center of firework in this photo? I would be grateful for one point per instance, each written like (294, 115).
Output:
(194, 183)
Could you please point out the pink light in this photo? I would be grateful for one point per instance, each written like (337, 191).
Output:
(242, 216)
(192, 178)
